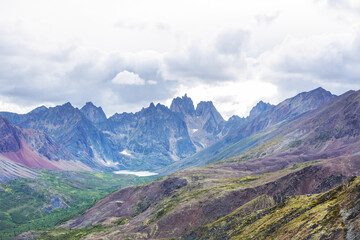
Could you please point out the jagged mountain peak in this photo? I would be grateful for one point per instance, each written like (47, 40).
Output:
(39, 109)
(183, 106)
(90, 104)
(154, 109)
(65, 109)
(207, 111)
(259, 108)
(206, 107)
(67, 104)
(234, 118)
(93, 113)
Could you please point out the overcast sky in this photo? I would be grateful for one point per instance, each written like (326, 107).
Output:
(124, 54)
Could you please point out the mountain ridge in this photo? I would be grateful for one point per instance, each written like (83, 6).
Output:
(157, 136)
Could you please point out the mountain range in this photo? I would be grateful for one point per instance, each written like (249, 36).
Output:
(157, 138)
(68, 138)
(285, 171)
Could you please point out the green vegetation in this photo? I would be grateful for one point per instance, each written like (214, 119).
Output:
(209, 189)
(321, 138)
(141, 206)
(329, 215)
(304, 164)
(121, 221)
(295, 144)
(67, 234)
(53, 198)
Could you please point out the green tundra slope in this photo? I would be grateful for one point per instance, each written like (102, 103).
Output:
(53, 197)
(330, 215)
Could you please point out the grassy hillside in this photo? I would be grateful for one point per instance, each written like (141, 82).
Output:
(35, 204)
(192, 199)
(330, 215)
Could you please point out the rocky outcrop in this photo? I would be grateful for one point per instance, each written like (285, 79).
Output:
(183, 106)
(203, 123)
(92, 113)
(155, 136)
(9, 137)
(260, 108)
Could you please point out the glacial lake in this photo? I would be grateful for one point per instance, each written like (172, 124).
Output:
(136, 173)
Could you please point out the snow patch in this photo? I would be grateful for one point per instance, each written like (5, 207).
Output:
(194, 130)
(138, 173)
(110, 163)
(126, 152)
(107, 132)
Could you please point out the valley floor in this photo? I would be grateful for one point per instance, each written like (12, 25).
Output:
(53, 197)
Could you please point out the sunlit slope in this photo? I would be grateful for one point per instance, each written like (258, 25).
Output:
(330, 215)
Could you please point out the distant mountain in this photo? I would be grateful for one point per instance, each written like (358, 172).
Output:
(260, 108)
(202, 123)
(79, 138)
(183, 106)
(92, 113)
(23, 149)
(155, 137)
(149, 139)
(240, 134)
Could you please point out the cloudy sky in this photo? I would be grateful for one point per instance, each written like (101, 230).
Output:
(124, 54)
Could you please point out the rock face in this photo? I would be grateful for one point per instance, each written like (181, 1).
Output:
(92, 113)
(9, 137)
(203, 123)
(208, 112)
(260, 108)
(183, 106)
(29, 148)
(78, 136)
(155, 135)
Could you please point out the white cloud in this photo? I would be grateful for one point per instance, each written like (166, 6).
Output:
(151, 82)
(266, 18)
(11, 107)
(232, 42)
(128, 78)
(330, 61)
(206, 44)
